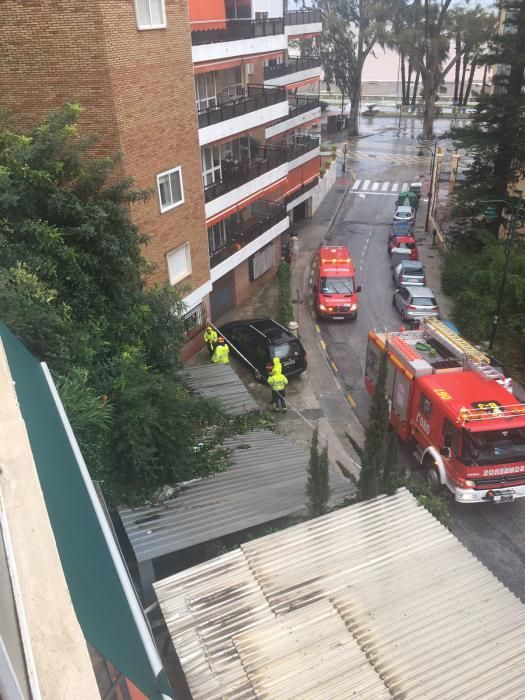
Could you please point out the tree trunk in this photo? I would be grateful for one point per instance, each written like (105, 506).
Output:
(355, 98)
(416, 85)
(429, 108)
(409, 78)
(470, 80)
(484, 83)
(463, 76)
(403, 79)
(458, 67)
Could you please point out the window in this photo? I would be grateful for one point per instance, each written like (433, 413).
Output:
(170, 189)
(211, 165)
(150, 14)
(217, 236)
(451, 436)
(195, 320)
(179, 263)
(425, 406)
(205, 91)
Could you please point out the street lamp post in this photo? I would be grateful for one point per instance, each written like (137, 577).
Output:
(515, 212)
(433, 171)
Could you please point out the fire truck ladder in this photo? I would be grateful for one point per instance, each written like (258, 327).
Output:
(466, 415)
(472, 357)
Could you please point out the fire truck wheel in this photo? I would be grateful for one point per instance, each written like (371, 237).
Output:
(432, 476)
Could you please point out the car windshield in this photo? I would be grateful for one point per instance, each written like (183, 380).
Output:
(403, 215)
(494, 447)
(286, 350)
(337, 285)
(424, 301)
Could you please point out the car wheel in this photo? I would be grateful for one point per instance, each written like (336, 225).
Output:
(432, 476)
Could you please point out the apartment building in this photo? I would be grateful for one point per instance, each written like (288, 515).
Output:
(201, 99)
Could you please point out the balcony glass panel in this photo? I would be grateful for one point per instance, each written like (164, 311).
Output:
(303, 17)
(255, 97)
(237, 29)
(292, 65)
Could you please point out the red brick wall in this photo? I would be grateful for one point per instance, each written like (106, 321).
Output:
(244, 288)
(137, 91)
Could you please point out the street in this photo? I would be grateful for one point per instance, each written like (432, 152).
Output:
(382, 165)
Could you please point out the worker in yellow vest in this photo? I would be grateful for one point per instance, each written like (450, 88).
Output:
(221, 353)
(210, 338)
(278, 384)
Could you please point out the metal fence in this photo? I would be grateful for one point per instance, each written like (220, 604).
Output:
(194, 320)
(292, 65)
(303, 17)
(256, 97)
(239, 29)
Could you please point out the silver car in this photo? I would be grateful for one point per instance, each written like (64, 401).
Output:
(403, 214)
(409, 273)
(414, 303)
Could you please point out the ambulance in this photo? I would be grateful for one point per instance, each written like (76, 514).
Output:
(455, 409)
(335, 290)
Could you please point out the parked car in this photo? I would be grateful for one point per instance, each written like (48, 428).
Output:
(404, 213)
(259, 340)
(409, 273)
(398, 243)
(415, 303)
(400, 228)
(407, 199)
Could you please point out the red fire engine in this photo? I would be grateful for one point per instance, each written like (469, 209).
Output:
(335, 290)
(447, 401)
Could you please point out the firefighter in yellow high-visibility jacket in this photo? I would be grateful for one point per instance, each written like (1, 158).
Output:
(278, 384)
(221, 353)
(210, 338)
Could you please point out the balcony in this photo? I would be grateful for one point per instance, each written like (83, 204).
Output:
(267, 218)
(302, 22)
(260, 104)
(301, 110)
(294, 198)
(241, 37)
(295, 70)
(236, 174)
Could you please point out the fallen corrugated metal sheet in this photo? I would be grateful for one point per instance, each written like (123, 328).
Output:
(374, 600)
(266, 481)
(222, 383)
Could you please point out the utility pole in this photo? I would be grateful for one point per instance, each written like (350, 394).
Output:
(515, 213)
(433, 172)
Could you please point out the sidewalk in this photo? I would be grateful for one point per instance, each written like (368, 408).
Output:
(315, 397)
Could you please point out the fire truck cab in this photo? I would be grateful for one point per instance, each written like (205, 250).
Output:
(467, 429)
(335, 289)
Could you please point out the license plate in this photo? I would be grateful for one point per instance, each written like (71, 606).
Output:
(338, 318)
(287, 363)
(506, 497)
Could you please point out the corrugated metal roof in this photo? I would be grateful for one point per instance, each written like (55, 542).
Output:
(222, 383)
(374, 600)
(266, 481)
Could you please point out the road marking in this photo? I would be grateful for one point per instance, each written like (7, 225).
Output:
(375, 186)
(395, 186)
(351, 400)
(334, 366)
(385, 186)
(405, 187)
(317, 328)
(366, 185)
(356, 184)
(372, 194)
(323, 344)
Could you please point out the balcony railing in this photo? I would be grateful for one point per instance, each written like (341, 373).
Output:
(265, 214)
(301, 190)
(303, 17)
(292, 65)
(301, 104)
(239, 29)
(256, 97)
(236, 174)
(302, 145)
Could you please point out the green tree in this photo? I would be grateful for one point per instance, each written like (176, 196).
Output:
(73, 287)
(318, 481)
(351, 28)
(375, 454)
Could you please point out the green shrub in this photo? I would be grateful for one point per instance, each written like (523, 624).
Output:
(285, 293)
(322, 171)
(324, 147)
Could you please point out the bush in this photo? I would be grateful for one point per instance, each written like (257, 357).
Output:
(324, 147)
(285, 293)
(322, 171)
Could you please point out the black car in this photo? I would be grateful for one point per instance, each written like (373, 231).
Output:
(259, 340)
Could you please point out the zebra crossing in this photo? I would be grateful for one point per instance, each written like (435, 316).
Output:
(396, 159)
(379, 187)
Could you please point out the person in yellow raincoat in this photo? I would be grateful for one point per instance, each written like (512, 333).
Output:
(221, 353)
(210, 338)
(278, 384)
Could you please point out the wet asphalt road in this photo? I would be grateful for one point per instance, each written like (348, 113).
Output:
(494, 534)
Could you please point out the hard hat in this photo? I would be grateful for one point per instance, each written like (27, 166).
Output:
(220, 339)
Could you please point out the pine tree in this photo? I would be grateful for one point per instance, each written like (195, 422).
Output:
(375, 454)
(318, 482)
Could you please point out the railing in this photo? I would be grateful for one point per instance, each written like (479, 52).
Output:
(265, 215)
(194, 320)
(301, 104)
(256, 97)
(302, 145)
(236, 174)
(301, 190)
(239, 29)
(292, 65)
(303, 17)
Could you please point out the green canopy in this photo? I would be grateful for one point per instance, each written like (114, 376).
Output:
(105, 604)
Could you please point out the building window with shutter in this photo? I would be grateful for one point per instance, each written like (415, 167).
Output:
(261, 262)
(171, 193)
(151, 14)
(179, 263)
